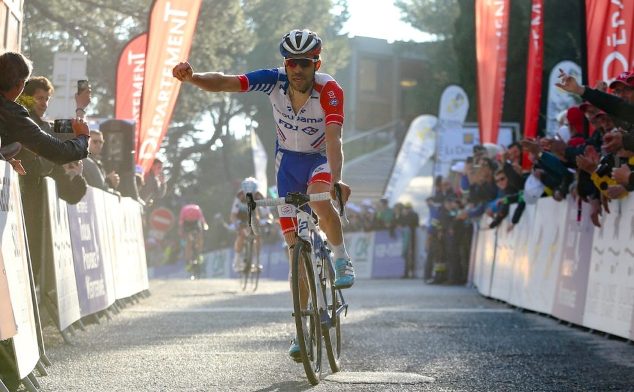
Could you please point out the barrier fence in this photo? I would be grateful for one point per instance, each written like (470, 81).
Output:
(557, 263)
(94, 255)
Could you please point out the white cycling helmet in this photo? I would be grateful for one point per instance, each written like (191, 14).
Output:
(300, 42)
(249, 185)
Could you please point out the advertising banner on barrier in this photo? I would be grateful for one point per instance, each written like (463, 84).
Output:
(545, 255)
(360, 246)
(16, 264)
(106, 244)
(218, 263)
(8, 326)
(572, 283)
(65, 282)
(388, 255)
(130, 226)
(89, 266)
(609, 299)
(522, 263)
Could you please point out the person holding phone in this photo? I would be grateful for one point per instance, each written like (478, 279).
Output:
(82, 98)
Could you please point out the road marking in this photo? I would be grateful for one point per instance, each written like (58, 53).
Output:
(378, 378)
(274, 310)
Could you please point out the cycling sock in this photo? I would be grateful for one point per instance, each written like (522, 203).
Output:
(339, 251)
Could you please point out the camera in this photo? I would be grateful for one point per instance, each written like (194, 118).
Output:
(606, 164)
(63, 126)
(82, 85)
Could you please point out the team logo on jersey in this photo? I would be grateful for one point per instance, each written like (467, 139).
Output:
(287, 210)
(310, 130)
(334, 102)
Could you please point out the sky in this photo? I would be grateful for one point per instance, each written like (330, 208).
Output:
(380, 19)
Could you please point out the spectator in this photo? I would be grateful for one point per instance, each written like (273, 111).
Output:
(93, 167)
(384, 217)
(155, 185)
(410, 222)
(17, 126)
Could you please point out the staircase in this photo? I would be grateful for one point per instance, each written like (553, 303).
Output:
(368, 174)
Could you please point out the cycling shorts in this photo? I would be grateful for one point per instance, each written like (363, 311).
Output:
(295, 171)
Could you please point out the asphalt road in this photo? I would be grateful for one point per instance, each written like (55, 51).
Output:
(400, 335)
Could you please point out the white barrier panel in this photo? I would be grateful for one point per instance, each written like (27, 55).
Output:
(610, 297)
(360, 246)
(64, 270)
(106, 243)
(8, 327)
(16, 263)
(485, 257)
(572, 283)
(502, 277)
(522, 262)
(545, 246)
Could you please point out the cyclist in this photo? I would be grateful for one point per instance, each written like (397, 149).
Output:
(308, 113)
(192, 220)
(239, 221)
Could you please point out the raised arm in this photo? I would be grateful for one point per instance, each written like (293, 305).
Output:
(208, 81)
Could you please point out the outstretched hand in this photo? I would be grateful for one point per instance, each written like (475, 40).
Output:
(183, 71)
(569, 83)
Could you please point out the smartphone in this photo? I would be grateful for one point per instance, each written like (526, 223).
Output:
(63, 126)
(82, 85)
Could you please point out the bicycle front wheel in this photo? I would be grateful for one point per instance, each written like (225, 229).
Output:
(248, 261)
(331, 327)
(306, 311)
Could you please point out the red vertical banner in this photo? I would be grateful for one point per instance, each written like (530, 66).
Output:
(129, 86)
(171, 32)
(492, 20)
(610, 38)
(534, 70)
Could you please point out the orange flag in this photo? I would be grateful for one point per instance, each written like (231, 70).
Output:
(172, 26)
(609, 32)
(492, 20)
(129, 88)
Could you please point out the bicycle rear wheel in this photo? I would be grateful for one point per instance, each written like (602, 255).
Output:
(248, 261)
(331, 328)
(306, 313)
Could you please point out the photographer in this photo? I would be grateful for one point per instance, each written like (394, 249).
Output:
(17, 126)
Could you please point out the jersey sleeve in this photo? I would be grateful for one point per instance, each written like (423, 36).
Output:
(261, 80)
(332, 102)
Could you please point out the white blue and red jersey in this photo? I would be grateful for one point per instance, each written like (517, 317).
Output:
(300, 158)
(304, 131)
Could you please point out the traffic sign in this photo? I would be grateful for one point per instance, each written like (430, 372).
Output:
(161, 219)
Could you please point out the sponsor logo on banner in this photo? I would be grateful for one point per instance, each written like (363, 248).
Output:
(610, 36)
(89, 268)
(129, 87)
(534, 70)
(172, 26)
(16, 268)
(65, 283)
(361, 249)
(388, 255)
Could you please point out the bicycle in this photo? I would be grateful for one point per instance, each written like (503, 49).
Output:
(251, 270)
(195, 261)
(312, 265)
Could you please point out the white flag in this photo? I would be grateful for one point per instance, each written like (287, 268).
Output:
(418, 147)
(259, 162)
